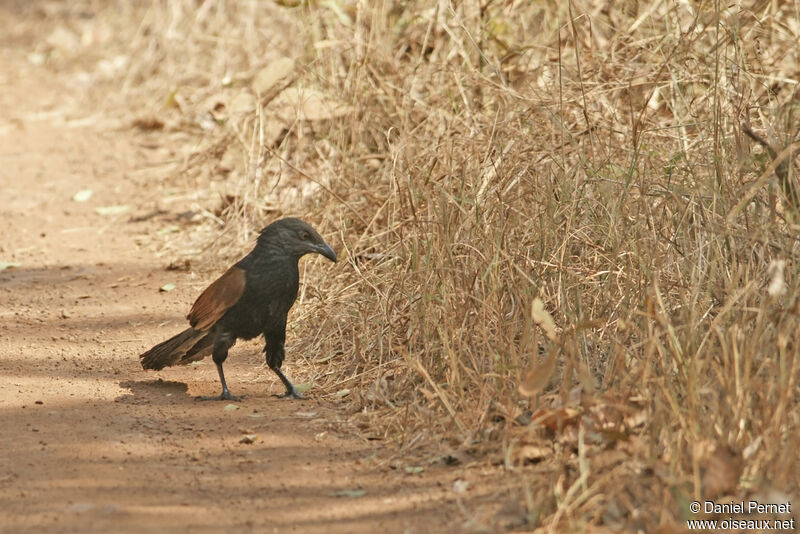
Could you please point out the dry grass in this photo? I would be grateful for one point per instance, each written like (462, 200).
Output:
(467, 159)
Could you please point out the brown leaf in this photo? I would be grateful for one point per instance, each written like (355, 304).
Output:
(243, 102)
(722, 472)
(538, 376)
(543, 318)
(148, 123)
(556, 418)
(530, 454)
(267, 77)
(312, 105)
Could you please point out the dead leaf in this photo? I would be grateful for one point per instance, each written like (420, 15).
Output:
(37, 58)
(169, 229)
(248, 439)
(112, 210)
(538, 376)
(312, 105)
(83, 195)
(637, 419)
(529, 453)
(177, 265)
(148, 123)
(207, 121)
(722, 472)
(244, 102)
(267, 77)
(556, 418)
(777, 284)
(64, 40)
(751, 449)
(543, 318)
(302, 388)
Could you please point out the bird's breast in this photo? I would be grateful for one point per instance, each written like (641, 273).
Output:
(270, 291)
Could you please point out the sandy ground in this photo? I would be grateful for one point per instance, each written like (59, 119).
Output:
(89, 442)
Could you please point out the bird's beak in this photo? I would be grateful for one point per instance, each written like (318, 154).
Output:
(326, 250)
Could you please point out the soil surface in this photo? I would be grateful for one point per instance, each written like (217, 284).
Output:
(89, 442)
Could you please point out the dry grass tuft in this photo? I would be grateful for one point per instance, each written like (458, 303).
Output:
(470, 159)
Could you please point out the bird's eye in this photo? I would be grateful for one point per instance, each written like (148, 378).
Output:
(304, 236)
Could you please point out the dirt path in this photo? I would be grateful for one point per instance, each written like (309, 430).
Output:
(91, 443)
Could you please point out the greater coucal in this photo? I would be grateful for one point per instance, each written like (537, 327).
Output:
(252, 298)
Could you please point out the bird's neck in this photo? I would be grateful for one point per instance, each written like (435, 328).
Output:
(266, 254)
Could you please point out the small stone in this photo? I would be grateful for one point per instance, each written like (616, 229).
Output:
(460, 486)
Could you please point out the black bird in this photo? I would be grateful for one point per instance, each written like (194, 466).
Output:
(252, 298)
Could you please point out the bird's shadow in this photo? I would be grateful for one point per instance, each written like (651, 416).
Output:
(153, 392)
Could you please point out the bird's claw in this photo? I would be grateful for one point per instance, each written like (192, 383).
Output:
(290, 394)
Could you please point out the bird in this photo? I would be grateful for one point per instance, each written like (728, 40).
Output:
(251, 298)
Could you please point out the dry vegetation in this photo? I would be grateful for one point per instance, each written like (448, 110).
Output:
(547, 210)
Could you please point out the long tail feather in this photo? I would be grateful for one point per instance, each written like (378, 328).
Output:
(172, 351)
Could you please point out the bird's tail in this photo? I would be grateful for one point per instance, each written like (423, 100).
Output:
(188, 346)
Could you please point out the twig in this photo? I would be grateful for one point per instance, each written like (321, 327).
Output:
(782, 166)
(751, 191)
(323, 186)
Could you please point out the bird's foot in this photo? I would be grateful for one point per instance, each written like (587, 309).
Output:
(225, 395)
(290, 394)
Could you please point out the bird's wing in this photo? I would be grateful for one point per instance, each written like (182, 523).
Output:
(217, 299)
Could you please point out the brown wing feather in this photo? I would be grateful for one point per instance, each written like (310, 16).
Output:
(217, 299)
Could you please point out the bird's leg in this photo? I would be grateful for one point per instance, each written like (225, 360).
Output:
(273, 349)
(226, 394)
(291, 391)
(220, 353)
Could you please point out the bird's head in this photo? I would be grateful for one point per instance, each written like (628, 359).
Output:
(295, 237)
